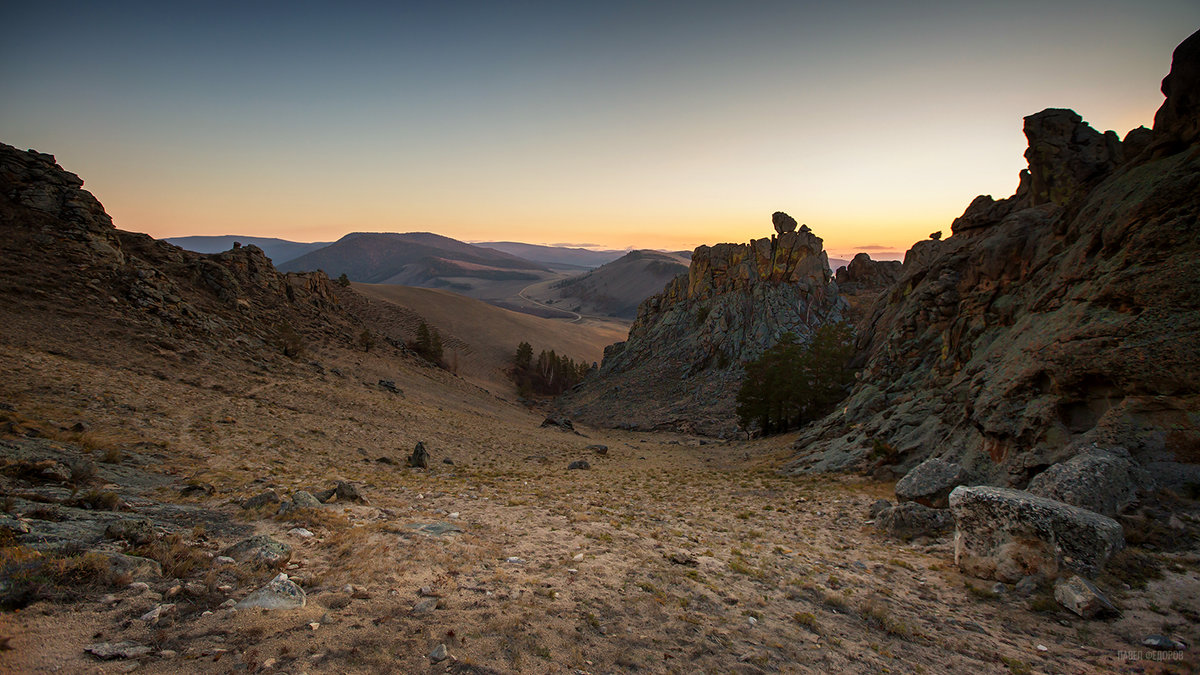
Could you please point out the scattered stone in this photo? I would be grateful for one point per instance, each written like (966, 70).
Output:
(301, 499)
(386, 460)
(197, 489)
(911, 519)
(347, 492)
(425, 606)
(438, 654)
(428, 592)
(1100, 480)
(558, 422)
(878, 507)
(136, 531)
(999, 588)
(1082, 597)
(447, 460)
(930, 482)
(578, 557)
(1006, 534)
(598, 449)
(434, 529)
(279, 593)
(322, 496)
(159, 613)
(301, 532)
(579, 464)
(139, 587)
(1163, 643)
(514, 560)
(420, 457)
(133, 566)
(1028, 585)
(260, 500)
(683, 558)
(107, 651)
(261, 550)
(390, 386)
(223, 560)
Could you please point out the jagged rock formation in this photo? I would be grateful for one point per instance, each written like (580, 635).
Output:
(680, 366)
(65, 264)
(1065, 315)
(862, 280)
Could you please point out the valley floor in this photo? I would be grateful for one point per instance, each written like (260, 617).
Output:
(671, 554)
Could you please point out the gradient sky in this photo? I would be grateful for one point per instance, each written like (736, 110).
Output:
(647, 124)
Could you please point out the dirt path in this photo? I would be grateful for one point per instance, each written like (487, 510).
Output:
(521, 294)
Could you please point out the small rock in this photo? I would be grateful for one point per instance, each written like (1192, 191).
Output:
(438, 654)
(107, 651)
(347, 492)
(425, 606)
(167, 654)
(578, 557)
(389, 386)
(1163, 643)
(1082, 597)
(261, 550)
(598, 449)
(133, 566)
(386, 460)
(682, 558)
(279, 593)
(136, 531)
(139, 587)
(196, 489)
(301, 532)
(579, 464)
(159, 613)
(514, 560)
(753, 621)
(559, 422)
(1028, 585)
(228, 604)
(262, 499)
(999, 588)
(878, 507)
(419, 457)
(427, 592)
(301, 499)
(223, 560)
(447, 460)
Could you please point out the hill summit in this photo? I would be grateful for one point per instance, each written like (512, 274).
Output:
(680, 367)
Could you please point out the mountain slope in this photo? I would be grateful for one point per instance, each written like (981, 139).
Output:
(278, 250)
(617, 288)
(1063, 316)
(413, 258)
(480, 339)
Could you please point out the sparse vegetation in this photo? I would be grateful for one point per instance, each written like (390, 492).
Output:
(428, 344)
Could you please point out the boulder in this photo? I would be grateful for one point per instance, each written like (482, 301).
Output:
(930, 482)
(1082, 597)
(579, 464)
(107, 651)
(1100, 480)
(419, 457)
(132, 566)
(348, 492)
(262, 499)
(783, 222)
(878, 507)
(558, 422)
(1007, 534)
(910, 519)
(136, 531)
(301, 499)
(279, 593)
(260, 551)
(1177, 122)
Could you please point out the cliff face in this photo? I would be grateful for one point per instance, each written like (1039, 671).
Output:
(1065, 315)
(680, 367)
(64, 264)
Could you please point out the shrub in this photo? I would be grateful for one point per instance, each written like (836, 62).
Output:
(343, 280)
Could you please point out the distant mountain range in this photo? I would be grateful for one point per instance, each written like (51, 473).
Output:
(555, 256)
(617, 288)
(278, 250)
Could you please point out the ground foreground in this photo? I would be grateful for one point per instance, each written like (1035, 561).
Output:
(669, 554)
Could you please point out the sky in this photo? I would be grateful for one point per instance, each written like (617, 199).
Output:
(615, 124)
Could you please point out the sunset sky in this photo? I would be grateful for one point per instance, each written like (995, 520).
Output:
(645, 124)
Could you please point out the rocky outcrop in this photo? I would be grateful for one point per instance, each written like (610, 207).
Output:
(1177, 122)
(930, 482)
(783, 222)
(1100, 480)
(680, 367)
(1064, 315)
(1008, 534)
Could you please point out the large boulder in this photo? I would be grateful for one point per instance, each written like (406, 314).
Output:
(260, 551)
(910, 519)
(1007, 534)
(1104, 481)
(279, 593)
(783, 222)
(1177, 122)
(930, 483)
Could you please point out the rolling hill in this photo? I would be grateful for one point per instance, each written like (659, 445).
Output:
(555, 256)
(413, 258)
(617, 288)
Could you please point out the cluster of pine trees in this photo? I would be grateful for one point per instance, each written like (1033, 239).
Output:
(428, 344)
(550, 375)
(793, 383)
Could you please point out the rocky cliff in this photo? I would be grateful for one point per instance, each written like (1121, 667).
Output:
(1063, 316)
(680, 367)
(66, 265)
